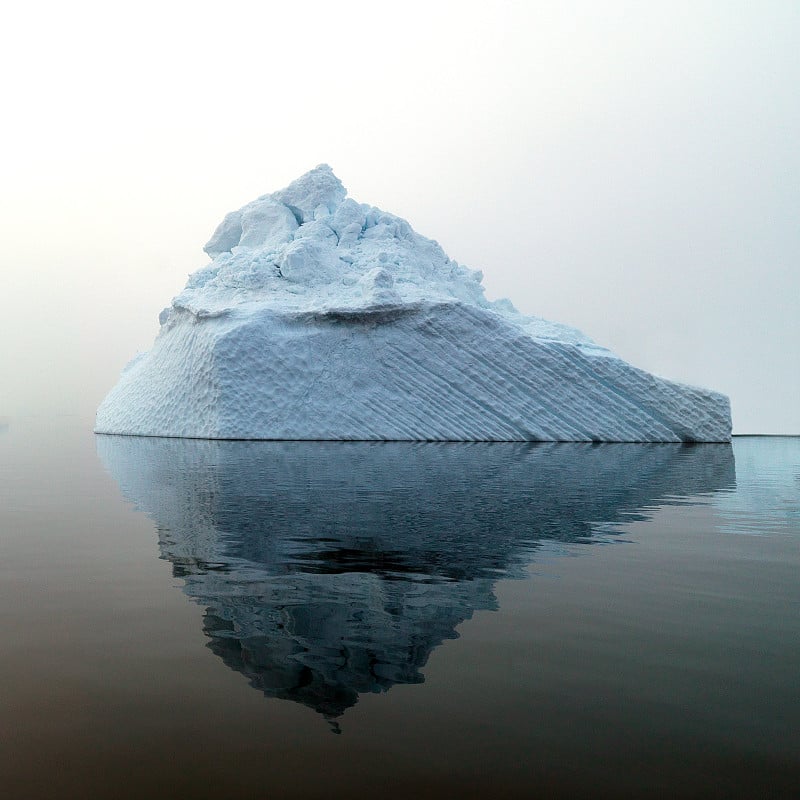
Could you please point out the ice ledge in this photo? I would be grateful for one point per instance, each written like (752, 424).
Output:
(432, 371)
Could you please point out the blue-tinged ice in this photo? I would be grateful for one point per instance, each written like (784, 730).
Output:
(323, 318)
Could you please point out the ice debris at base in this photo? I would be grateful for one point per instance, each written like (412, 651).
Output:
(323, 318)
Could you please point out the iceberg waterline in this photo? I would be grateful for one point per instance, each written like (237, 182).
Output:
(322, 318)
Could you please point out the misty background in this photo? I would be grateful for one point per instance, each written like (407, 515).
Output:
(630, 169)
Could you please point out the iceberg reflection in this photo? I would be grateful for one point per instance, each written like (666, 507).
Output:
(329, 569)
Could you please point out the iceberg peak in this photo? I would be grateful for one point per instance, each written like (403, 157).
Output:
(319, 191)
(319, 317)
(310, 247)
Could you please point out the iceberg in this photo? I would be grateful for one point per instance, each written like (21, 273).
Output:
(320, 318)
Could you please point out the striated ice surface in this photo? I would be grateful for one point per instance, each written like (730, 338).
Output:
(323, 318)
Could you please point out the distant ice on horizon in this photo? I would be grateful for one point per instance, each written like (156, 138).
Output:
(323, 318)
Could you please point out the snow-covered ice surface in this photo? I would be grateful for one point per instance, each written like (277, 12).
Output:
(323, 318)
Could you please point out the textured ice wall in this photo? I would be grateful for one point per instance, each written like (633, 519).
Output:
(323, 318)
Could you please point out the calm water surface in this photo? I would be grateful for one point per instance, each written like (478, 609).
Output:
(217, 619)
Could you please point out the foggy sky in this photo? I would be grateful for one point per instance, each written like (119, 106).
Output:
(631, 169)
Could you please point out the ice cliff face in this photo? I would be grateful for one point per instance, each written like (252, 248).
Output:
(322, 318)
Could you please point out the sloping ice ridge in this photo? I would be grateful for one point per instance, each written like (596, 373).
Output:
(323, 318)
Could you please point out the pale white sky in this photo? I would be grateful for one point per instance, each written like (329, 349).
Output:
(632, 169)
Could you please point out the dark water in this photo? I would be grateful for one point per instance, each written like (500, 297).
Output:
(210, 619)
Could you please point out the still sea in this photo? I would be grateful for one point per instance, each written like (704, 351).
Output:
(185, 618)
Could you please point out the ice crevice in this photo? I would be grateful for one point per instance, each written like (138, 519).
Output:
(319, 317)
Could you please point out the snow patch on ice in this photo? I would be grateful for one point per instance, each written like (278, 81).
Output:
(309, 247)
